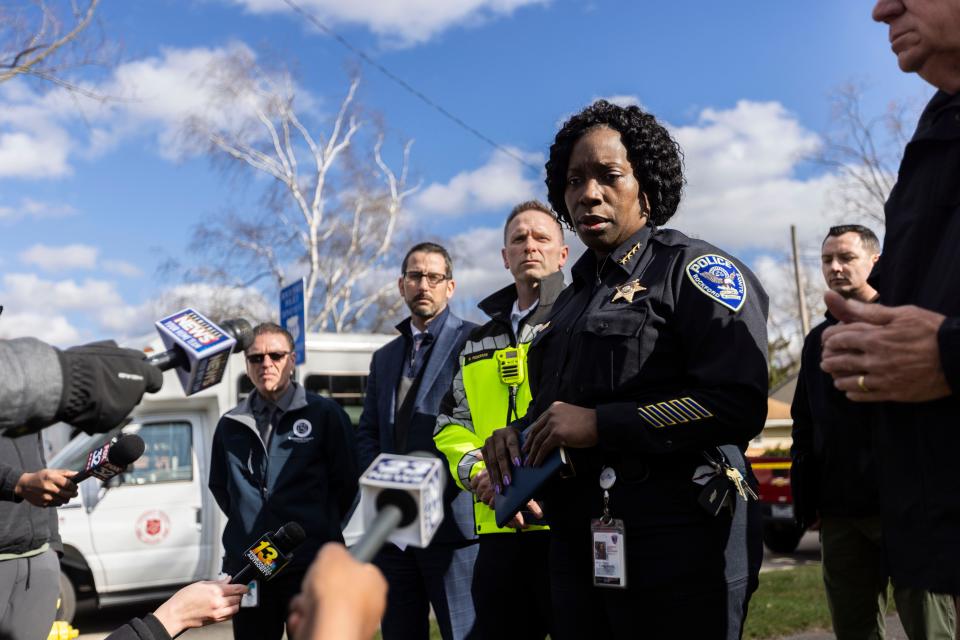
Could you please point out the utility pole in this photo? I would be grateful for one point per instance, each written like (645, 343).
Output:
(798, 277)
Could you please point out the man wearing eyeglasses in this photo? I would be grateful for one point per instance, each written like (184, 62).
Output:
(408, 379)
(281, 455)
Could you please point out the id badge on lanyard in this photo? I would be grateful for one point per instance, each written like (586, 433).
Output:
(252, 597)
(609, 541)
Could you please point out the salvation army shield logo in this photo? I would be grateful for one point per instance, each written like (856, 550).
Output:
(301, 430)
(152, 527)
(719, 279)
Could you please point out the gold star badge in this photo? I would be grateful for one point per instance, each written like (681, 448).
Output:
(627, 290)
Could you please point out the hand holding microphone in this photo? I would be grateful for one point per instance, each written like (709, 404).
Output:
(46, 487)
(270, 553)
(112, 458)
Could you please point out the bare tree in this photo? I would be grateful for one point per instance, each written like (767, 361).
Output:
(865, 151)
(332, 211)
(785, 335)
(40, 38)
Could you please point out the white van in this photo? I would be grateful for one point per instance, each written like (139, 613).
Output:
(149, 531)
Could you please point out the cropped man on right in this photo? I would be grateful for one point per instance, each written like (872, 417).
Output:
(903, 353)
(490, 390)
(834, 473)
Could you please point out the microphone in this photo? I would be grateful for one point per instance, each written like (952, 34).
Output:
(270, 553)
(402, 501)
(111, 459)
(198, 348)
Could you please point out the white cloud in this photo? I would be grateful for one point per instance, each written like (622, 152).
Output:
(149, 97)
(743, 191)
(54, 329)
(404, 22)
(499, 184)
(67, 257)
(42, 151)
(57, 311)
(122, 268)
(27, 291)
(162, 92)
(215, 301)
(66, 312)
(477, 265)
(31, 208)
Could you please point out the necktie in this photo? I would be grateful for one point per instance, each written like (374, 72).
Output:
(420, 343)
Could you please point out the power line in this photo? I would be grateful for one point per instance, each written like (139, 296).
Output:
(407, 86)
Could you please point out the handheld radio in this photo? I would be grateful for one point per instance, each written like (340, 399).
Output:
(510, 365)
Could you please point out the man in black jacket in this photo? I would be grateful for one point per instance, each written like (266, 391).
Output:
(834, 473)
(904, 354)
(282, 455)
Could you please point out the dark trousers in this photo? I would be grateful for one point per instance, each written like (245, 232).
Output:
(511, 582)
(268, 620)
(439, 575)
(855, 577)
(695, 609)
(28, 595)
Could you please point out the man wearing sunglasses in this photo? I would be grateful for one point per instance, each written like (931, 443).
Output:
(408, 378)
(281, 455)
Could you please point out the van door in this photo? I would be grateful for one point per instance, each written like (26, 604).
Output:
(146, 527)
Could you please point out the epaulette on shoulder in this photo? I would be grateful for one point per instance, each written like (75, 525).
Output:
(674, 238)
(670, 237)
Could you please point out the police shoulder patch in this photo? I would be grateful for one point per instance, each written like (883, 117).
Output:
(718, 278)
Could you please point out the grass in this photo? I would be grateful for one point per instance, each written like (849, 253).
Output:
(788, 601)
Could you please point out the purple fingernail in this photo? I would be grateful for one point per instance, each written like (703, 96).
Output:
(516, 461)
(506, 480)
(496, 488)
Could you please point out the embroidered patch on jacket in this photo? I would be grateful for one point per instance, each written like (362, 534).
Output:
(301, 431)
(718, 278)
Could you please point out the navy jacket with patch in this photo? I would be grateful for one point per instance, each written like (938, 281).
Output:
(308, 474)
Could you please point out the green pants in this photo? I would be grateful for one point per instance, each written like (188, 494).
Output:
(856, 581)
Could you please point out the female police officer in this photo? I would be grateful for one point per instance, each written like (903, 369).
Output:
(654, 356)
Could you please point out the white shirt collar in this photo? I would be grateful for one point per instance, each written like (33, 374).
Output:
(516, 315)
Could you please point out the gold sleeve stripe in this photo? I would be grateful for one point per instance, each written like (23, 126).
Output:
(653, 422)
(671, 412)
(652, 408)
(696, 406)
(678, 405)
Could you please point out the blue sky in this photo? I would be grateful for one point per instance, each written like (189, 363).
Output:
(93, 198)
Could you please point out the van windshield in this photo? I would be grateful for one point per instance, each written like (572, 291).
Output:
(74, 455)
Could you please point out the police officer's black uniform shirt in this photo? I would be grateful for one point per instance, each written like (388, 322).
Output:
(671, 366)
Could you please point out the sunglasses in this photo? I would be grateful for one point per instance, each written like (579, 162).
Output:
(276, 356)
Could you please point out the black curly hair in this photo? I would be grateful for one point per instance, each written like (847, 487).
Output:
(655, 156)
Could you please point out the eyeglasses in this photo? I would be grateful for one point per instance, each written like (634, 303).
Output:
(414, 277)
(276, 356)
